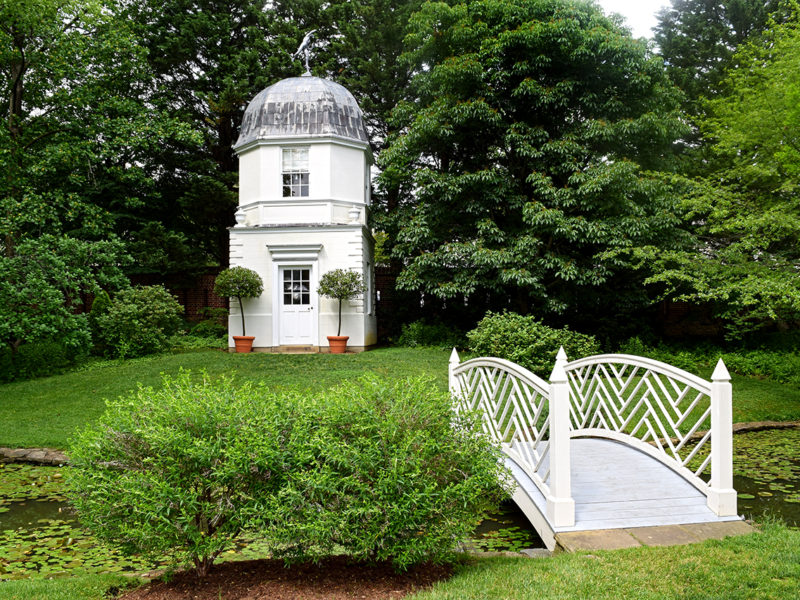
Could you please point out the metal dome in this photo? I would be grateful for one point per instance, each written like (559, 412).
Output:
(302, 107)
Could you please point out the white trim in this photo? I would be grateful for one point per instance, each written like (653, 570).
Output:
(294, 252)
(305, 141)
(315, 227)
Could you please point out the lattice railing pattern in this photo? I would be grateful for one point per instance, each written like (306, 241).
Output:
(513, 402)
(651, 401)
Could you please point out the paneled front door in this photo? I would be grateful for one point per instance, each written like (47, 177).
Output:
(297, 307)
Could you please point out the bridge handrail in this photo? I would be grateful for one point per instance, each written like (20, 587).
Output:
(630, 359)
(539, 384)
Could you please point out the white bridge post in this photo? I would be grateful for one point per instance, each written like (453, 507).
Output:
(451, 376)
(560, 504)
(721, 495)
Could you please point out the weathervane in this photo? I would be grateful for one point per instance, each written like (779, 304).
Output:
(305, 50)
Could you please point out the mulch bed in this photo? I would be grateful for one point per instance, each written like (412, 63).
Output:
(332, 579)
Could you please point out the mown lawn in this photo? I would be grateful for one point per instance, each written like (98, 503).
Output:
(755, 567)
(46, 411)
(764, 566)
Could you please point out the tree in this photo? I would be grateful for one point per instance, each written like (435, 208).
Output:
(77, 124)
(45, 280)
(697, 39)
(239, 282)
(745, 210)
(525, 154)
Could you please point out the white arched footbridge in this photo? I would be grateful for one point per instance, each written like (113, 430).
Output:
(611, 441)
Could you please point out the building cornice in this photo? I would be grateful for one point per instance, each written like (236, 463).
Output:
(305, 141)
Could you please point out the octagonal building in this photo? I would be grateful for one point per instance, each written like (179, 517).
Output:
(304, 193)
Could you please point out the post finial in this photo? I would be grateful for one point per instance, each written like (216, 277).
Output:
(562, 355)
(454, 360)
(559, 375)
(720, 372)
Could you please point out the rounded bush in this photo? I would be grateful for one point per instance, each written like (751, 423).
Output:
(527, 342)
(239, 283)
(182, 469)
(391, 473)
(380, 471)
(139, 321)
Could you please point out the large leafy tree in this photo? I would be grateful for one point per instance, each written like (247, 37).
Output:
(526, 153)
(698, 38)
(74, 130)
(745, 209)
(209, 58)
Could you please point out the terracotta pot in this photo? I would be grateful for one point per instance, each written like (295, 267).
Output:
(338, 343)
(244, 343)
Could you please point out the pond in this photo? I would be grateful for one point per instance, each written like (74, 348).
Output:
(766, 466)
(39, 533)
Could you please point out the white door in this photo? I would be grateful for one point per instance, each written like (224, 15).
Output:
(297, 308)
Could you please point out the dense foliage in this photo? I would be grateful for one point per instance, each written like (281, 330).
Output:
(139, 321)
(382, 471)
(184, 469)
(422, 333)
(390, 473)
(743, 204)
(524, 153)
(527, 342)
(697, 39)
(43, 284)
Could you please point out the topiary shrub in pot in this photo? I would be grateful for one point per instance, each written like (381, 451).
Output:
(340, 285)
(240, 283)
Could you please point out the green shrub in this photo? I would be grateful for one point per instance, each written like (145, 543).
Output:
(184, 469)
(100, 306)
(376, 470)
(527, 342)
(779, 365)
(420, 333)
(391, 474)
(213, 324)
(37, 359)
(139, 321)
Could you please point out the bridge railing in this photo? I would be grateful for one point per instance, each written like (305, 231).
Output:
(519, 414)
(679, 419)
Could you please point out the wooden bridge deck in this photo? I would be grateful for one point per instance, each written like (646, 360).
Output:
(615, 486)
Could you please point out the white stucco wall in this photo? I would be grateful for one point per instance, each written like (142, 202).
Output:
(340, 247)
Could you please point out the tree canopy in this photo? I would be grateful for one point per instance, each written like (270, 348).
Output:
(528, 147)
(744, 208)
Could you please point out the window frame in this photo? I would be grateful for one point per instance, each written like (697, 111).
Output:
(295, 172)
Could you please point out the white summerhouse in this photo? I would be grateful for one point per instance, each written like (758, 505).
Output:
(304, 192)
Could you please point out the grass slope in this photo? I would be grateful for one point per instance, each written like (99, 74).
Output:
(46, 411)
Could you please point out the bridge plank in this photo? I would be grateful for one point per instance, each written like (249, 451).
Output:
(616, 486)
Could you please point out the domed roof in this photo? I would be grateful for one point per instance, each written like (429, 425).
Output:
(302, 107)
